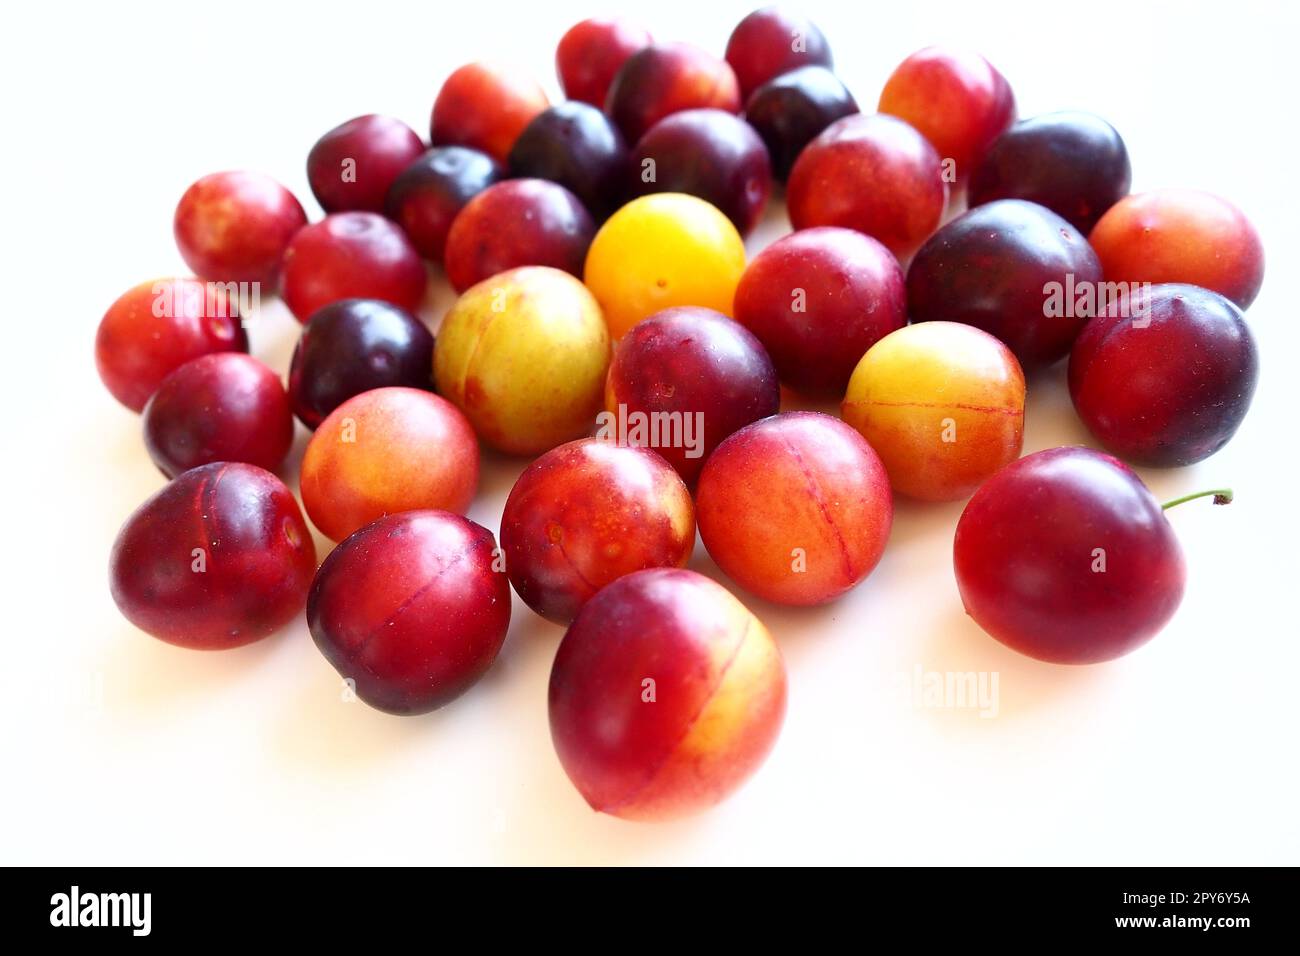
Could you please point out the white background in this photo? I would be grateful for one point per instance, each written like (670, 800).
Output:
(120, 749)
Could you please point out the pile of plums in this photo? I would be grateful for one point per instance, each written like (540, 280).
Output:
(610, 328)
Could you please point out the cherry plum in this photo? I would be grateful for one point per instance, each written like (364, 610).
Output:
(817, 300)
(485, 106)
(1015, 269)
(577, 146)
(1184, 236)
(1168, 380)
(218, 558)
(427, 195)
(772, 41)
(591, 53)
(1065, 556)
(666, 694)
(585, 514)
(789, 111)
(695, 367)
(1073, 163)
(666, 78)
(156, 327)
(352, 346)
(226, 406)
(872, 173)
(351, 255)
(519, 222)
(235, 226)
(353, 165)
(412, 609)
(385, 451)
(795, 508)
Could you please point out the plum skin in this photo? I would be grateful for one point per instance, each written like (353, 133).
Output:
(677, 746)
(795, 508)
(351, 255)
(518, 222)
(353, 165)
(226, 406)
(665, 78)
(524, 356)
(955, 98)
(991, 267)
(708, 153)
(761, 47)
(411, 609)
(942, 403)
(791, 110)
(591, 52)
(585, 514)
(577, 146)
(853, 295)
(352, 346)
(1181, 236)
(1029, 540)
(485, 106)
(155, 327)
(689, 360)
(234, 226)
(1072, 162)
(1168, 383)
(219, 558)
(384, 451)
(427, 195)
(873, 173)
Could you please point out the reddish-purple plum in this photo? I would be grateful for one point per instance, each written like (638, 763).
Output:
(352, 166)
(666, 78)
(771, 42)
(591, 52)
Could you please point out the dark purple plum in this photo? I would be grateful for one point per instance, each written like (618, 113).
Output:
(577, 146)
(707, 153)
(1012, 268)
(1073, 163)
(352, 346)
(1166, 378)
(791, 110)
(428, 194)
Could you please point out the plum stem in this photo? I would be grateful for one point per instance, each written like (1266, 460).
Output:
(1222, 496)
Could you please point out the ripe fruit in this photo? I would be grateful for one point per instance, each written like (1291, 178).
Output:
(156, 327)
(1168, 380)
(485, 106)
(872, 173)
(519, 222)
(943, 404)
(817, 300)
(666, 694)
(1181, 235)
(351, 255)
(790, 110)
(352, 346)
(957, 100)
(1066, 557)
(770, 42)
(385, 451)
(585, 514)
(707, 153)
(1014, 269)
(661, 251)
(795, 508)
(591, 52)
(234, 226)
(682, 381)
(666, 78)
(412, 609)
(227, 406)
(353, 165)
(577, 146)
(428, 194)
(1073, 163)
(218, 558)
(524, 356)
